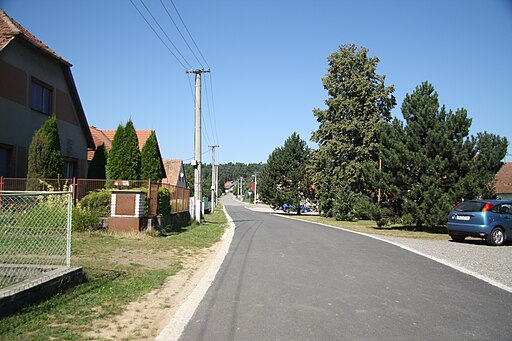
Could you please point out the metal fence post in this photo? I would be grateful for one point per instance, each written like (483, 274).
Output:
(69, 227)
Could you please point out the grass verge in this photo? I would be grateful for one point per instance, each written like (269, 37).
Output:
(120, 268)
(370, 227)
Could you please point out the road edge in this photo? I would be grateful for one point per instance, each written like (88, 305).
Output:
(436, 259)
(179, 321)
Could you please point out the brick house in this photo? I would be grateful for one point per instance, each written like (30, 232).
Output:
(35, 83)
(101, 136)
(504, 182)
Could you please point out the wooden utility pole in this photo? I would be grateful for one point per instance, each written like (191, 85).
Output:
(198, 200)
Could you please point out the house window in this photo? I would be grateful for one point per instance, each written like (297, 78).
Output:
(69, 168)
(5, 160)
(41, 97)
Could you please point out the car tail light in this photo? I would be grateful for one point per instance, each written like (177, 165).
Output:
(487, 207)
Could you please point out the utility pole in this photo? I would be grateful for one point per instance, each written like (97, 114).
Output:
(255, 187)
(214, 177)
(241, 188)
(198, 200)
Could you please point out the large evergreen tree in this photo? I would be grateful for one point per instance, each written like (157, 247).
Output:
(151, 166)
(98, 163)
(431, 162)
(283, 179)
(347, 135)
(44, 155)
(124, 157)
(115, 157)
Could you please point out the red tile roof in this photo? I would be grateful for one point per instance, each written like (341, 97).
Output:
(504, 179)
(172, 169)
(11, 29)
(105, 136)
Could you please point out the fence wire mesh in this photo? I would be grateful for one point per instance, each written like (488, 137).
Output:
(35, 235)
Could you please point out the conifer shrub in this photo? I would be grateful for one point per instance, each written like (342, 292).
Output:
(97, 201)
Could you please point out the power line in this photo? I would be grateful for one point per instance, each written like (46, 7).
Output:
(206, 135)
(209, 111)
(190, 35)
(154, 31)
(179, 31)
(213, 107)
(163, 31)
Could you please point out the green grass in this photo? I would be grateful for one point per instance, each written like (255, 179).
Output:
(370, 227)
(120, 268)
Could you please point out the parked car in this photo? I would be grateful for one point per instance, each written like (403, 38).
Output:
(288, 208)
(487, 219)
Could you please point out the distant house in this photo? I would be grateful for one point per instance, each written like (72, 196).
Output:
(504, 181)
(229, 186)
(36, 83)
(106, 136)
(175, 173)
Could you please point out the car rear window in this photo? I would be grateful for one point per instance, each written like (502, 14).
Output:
(470, 206)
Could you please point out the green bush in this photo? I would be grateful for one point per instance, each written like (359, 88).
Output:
(164, 201)
(85, 220)
(98, 201)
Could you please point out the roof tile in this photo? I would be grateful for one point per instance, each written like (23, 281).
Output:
(10, 29)
(504, 179)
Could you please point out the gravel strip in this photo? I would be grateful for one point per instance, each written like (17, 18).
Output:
(490, 263)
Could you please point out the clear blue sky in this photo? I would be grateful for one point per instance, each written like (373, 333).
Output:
(267, 59)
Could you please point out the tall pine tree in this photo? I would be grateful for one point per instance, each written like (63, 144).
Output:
(431, 162)
(98, 163)
(283, 178)
(123, 161)
(347, 135)
(151, 166)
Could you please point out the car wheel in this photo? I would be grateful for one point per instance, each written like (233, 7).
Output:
(496, 237)
(458, 238)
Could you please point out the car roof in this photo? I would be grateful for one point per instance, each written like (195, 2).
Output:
(492, 201)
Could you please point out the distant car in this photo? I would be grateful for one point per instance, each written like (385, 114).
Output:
(487, 219)
(289, 208)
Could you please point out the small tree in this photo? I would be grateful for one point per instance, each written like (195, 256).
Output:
(44, 155)
(151, 166)
(123, 161)
(98, 163)
(283, 179)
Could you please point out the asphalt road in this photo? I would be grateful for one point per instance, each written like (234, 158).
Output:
(289, 280)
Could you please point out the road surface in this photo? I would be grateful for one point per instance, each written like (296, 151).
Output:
(289, 280)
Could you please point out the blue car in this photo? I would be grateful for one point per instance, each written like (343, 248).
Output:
(487, 219)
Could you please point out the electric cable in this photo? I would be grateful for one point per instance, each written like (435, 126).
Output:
(160, 38)
(179, 31)
(190, 35)
(163, 31)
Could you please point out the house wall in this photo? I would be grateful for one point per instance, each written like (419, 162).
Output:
(505, 196)
(182, 182)
(18, 122)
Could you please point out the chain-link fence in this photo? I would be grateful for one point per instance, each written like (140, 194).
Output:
(35, 235)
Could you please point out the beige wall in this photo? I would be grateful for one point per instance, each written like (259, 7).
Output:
(18, 122)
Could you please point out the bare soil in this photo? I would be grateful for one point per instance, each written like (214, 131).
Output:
(145, 318)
